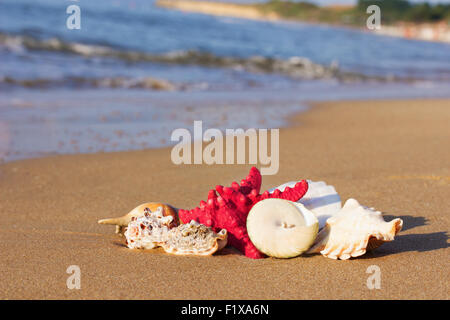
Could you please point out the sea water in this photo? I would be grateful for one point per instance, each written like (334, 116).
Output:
(91, 90)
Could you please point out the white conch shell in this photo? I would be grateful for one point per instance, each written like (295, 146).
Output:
(353, 230)
(321, 199)
(148, 231)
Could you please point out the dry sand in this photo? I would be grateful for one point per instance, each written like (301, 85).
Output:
(392, 155)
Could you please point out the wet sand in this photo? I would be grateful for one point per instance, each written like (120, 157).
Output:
(392, 155)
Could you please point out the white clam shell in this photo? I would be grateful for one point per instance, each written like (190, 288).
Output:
(354, 230)
(321, 199)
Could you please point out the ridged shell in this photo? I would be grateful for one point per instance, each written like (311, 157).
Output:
(354, 230)
(321, 199)
(194, 239)
(148, 231)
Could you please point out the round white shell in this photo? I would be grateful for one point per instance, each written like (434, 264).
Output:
(281, 228)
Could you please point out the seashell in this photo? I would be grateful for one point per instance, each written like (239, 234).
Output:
(148, 231)
(123, 221)
(281, 228)
(321, 199)
(354, 230)
(194, 238)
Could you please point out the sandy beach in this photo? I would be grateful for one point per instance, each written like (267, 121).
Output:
(391, 155)
(221, 9)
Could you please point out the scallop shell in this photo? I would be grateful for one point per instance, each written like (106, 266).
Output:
(321, 199)
(194, 239)
(354, 230)
(148, 231)
(123, 221)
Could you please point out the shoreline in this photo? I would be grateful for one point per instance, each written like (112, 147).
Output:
(387, 154)
(436, 32)
(9, 154)
(221, 9)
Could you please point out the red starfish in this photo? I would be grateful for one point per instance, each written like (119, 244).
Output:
(230, 208)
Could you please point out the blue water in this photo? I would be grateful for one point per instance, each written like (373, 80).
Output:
(140, 26)
(65, 118)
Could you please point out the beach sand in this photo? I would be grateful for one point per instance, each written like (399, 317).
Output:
(221, 9)
(392, 155)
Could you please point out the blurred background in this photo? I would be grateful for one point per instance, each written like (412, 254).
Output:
(137, 70)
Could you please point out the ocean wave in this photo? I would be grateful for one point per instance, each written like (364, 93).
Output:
(294, 67)
(82, 82)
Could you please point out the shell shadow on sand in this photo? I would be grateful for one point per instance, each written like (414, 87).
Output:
(120, 244)
(224, 252)
(409, 222)
(419, 242)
